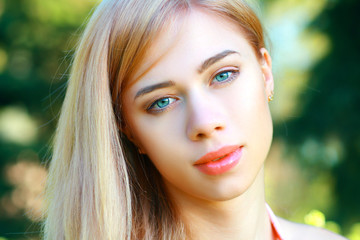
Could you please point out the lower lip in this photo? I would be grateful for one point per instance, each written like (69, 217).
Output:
(222, 165)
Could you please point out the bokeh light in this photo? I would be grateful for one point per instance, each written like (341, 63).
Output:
(312, 168)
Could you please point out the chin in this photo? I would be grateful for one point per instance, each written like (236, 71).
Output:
(227, 196)
(227, 191)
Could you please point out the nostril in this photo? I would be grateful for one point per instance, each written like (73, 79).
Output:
(204, 129)
(201, 135)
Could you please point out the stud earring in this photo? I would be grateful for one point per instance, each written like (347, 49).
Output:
(271, 96)
(140, 151)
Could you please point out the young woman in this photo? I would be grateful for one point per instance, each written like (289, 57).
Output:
(165, 127)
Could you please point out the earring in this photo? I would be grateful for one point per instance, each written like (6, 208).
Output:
(271, 96)
(141, 152)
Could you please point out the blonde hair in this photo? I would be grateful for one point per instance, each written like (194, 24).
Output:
(99, 187)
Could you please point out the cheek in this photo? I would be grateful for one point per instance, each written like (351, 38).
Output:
(260, 127)
(167, 151)
(250, 112)
(158, 137)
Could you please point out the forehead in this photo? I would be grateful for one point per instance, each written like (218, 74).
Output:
(185, 43)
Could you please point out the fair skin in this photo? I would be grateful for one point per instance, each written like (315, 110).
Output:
(178, 109)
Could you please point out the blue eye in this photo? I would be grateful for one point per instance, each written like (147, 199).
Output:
(161, 104)
(225, 76)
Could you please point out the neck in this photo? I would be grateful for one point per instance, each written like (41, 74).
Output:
(241, 218)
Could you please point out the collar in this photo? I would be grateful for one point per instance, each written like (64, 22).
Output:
(275, 225)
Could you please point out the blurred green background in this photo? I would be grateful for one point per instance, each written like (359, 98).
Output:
(312, 172)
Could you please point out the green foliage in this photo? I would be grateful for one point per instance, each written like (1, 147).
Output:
(331, 112)
(36, 42)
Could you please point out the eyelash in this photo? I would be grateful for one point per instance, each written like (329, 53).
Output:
(234, 74)
(150, 108)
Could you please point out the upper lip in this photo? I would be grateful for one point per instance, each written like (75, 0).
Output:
(222, 152)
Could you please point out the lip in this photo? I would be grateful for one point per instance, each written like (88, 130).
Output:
(229, 158)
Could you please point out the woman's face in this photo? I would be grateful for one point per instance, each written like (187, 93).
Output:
(201, 94)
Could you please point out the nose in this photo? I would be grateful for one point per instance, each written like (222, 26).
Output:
(205, 119)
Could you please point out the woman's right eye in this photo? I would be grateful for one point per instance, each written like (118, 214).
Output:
(160, 105)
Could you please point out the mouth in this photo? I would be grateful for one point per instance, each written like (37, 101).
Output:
(218, 158)
(217, 155)
(220, 161)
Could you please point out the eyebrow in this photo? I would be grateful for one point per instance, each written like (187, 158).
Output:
(205, 65)
(212, 60)
(154, 87)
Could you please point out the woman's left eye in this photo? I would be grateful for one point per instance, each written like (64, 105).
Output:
(225, 76)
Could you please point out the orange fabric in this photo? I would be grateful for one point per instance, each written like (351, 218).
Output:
(275, 225)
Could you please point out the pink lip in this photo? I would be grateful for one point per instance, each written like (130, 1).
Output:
(230, 156)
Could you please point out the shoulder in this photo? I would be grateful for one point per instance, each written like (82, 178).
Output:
(297, 231)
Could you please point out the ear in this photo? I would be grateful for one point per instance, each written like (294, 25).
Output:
(266, 68)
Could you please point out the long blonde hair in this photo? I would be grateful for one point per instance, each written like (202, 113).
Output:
(99, 186)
